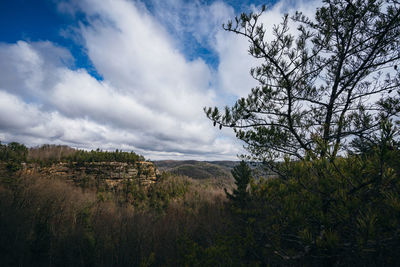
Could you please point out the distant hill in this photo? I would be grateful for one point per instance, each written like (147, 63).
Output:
(206, 169)
(197, 169)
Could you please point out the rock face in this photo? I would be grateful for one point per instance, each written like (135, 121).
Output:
(106, 174)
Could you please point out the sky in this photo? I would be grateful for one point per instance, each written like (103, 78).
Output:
(126, 74)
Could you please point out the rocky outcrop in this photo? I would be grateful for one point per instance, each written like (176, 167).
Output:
(106, 174)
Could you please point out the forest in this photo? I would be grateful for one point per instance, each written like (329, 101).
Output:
(337, 213)
(322, 124)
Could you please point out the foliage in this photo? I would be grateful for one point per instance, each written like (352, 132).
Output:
(331, 86)
(197, 169)
(332, 213)
(82, 156)
(319, 212)
(13, 154)
(242, 175)
(48, 222)
(325, 105)
(335, 80)
(200, 170)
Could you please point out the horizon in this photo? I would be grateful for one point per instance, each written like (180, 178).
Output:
(127, 75)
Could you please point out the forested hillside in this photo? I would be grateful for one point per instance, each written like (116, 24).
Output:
(321, 213)
(318, 185)
(196, 169)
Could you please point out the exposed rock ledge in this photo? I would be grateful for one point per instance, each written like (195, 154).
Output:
(109, 174)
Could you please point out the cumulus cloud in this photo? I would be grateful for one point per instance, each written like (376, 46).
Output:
(26, 68)
(152, 94)
(204, 22)
(76, 109)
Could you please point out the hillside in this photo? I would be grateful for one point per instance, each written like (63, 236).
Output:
(65, 207)
(207, 169)
(197, 169)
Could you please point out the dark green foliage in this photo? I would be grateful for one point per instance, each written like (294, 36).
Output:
(13, 151)
(13, 154)
(333, 81)
(322, 213)
(82, 156)
(341, 213)
(242, 174)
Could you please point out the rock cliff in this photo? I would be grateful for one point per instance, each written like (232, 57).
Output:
(110, 175)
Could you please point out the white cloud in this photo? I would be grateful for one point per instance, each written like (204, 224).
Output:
(204, 22)
(26, 67)
(78, 110)
(141, 60)
(152, 95)
(235, 62)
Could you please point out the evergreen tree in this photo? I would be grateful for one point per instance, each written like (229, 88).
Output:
(242, 175)
(334, 81)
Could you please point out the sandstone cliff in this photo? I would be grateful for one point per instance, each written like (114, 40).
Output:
(110, 175)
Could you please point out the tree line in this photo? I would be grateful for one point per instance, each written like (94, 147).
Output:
(13, 154)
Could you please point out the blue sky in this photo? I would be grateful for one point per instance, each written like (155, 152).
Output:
(132, 75)
(40, 20)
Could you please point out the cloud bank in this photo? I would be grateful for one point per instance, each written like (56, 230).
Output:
(152, 93)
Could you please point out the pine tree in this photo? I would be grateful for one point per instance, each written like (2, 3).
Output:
(242, 174)
(334, 81)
